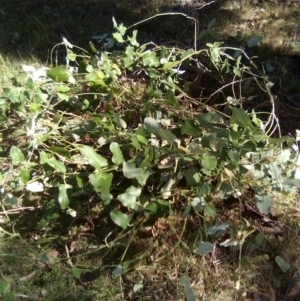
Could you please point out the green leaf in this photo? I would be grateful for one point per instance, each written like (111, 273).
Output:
(240, 117)
(275, 171)
(264, 203)
(96, 160)
(169, 65)
(129, 59)
(4, 287)
(208, 119)
(93, 48)
(211, 24)
(187, 54)
(218, 230)
(171, 99)
(189, 128)
(57, 165)
(192, 176)
(62, 88)
(63, 96)
(189, 294)
(77, 272)
(166, 135)
(259, 238)
(95, 78)
(215, 54)
(43, 157)
(120, 269)
(130, 196)
(209, 162)
(205, 248)
(283, 265)
(59, 73)
(9, 296)
(142, 139)
(89, 68)
(118, 37)
(83, 65)
(71, 55)
(237, 71)
(120, 123)
(130, 171)
(119, 218)
(210, 210)
(226, 190)
(60, 151)
(291, 181)
(254, 41)
(132, 40)
(150, 59)
(117, 157)
(11, 200)
(102, 184)
(217, 143)
(151, 124)
(16, 155)
(202, 34)
(63, 198)
(29, 83)
(25, 175)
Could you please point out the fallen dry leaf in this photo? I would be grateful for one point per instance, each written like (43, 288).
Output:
(286, 256)
(52, 256)
(294, 290)
(73, 246)
(272, 230)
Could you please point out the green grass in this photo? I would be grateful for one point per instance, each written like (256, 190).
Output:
(161, 255)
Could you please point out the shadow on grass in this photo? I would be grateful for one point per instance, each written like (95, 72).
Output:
(32, 28)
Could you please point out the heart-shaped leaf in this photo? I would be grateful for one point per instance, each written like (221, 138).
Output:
(117, 157)
(57, 165)
(209, 162)
(93, 157)
(102, 184)
(129, 197)
(151, 124)
(130, 171)
(63, 198)
(119, 218)
(16, 155)
(264, 203)
(59, 73)
(217, 230)
(205, 248)
(77, 272)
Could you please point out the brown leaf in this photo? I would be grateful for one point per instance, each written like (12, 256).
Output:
(272, 230)
(52, 256)
(294, 290)
(286, 256)
(73, 246)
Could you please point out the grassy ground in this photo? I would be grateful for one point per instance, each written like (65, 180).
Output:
(77, 261)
